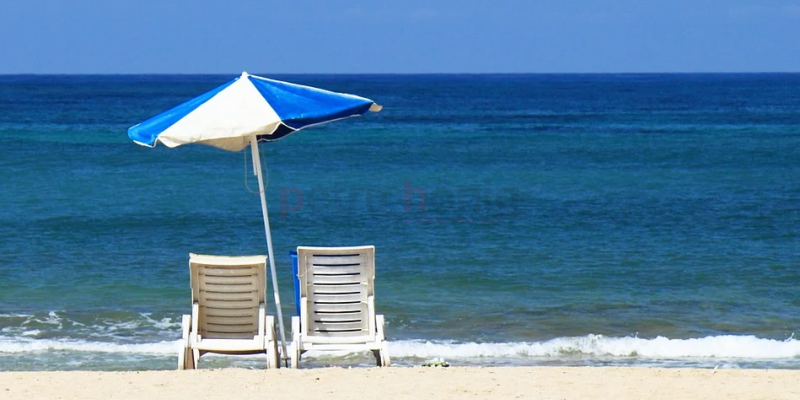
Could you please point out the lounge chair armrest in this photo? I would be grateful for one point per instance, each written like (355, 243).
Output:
(270, 328)
(195, 324)
(303, 314)
(296, 328)
(186, 326)
(380, 322)
(262, 320)
(373, 324)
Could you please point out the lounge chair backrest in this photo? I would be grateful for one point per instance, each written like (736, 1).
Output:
(228, 291)
(336, 290)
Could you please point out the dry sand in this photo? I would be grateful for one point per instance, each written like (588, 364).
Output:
(408, 383)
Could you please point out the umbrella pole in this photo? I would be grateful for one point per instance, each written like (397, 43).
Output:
(257, 167)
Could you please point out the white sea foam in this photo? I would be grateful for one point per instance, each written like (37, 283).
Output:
(52, 319)
(14, 315)
(164, 323)
(590, 346)
(598, 345)
(55, 323)
(26, 345)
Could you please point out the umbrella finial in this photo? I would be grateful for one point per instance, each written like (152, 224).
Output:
(244, 74)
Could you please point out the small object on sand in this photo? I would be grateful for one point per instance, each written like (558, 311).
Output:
(436, 362)
(715, 369)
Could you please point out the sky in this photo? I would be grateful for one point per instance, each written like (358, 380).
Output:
(398, 36)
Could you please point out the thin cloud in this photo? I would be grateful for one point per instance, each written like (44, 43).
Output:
(754, 11)
(355, 12)
(792, 11)
(416, 14)
(747, 11)
(424, 13)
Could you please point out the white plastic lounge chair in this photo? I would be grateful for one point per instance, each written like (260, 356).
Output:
(337, 305)
(229, 314)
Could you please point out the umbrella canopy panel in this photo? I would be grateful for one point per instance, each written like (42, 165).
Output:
(249, 105)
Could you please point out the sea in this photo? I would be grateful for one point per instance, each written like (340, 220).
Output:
(519, 220)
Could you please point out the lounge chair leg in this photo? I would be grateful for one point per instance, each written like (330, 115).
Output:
(190, 360)
(272, 355)
(294, 348)
(184, 353)
(272, 344)
(294, 353)
(195, 362)
(382, 354)
(182, 358)
(378, 360)
(272, 362)
(387, 362)
(382, 357)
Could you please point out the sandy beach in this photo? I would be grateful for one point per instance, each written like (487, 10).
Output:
(408, 383)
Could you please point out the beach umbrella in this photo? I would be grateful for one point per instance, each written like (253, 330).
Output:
(243, 112)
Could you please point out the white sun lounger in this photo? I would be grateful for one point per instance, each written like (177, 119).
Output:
(229, 314)
(337, 304)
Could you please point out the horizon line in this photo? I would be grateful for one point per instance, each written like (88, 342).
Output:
(392, 73)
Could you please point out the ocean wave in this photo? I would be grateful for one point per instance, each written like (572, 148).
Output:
(727, 346)
(111, 325)
(588, 347)
(28, 345)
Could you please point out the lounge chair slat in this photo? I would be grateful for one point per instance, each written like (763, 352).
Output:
(338, 317)
(227, 335)
(229, 279)
(252, 329)
(233, 320)
(228, 292)
(333, 259)
(330, 290)
(353, 270)
(237, 288)
(341, 307)
(336, 298)
(212, 304)
(229, 312)
(248, 270)
(337, 334)
(334, 279)
(331, 330)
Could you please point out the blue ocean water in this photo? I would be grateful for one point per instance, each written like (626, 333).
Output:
(519, 219)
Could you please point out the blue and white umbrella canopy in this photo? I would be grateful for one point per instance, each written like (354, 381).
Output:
(249, 105)
(243, 112)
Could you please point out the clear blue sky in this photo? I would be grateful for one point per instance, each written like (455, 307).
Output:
(398, 36)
